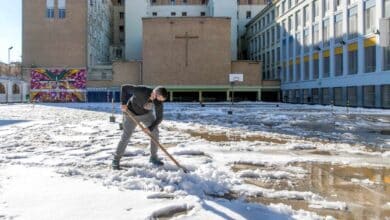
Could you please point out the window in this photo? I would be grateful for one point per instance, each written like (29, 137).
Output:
(306, 17)
(184, 1)
(203, 13)
(337, 4)
(369, 59)
(154, 14)
(338, 28)
(352, 1)
(61, 9)
(290, 71)
(386, 58)
(91, 2)
(298, 44)
(306, 70)
(121, 28)
(326, 64)
(119, 2)
(325, 6)
(184, 14)
(272, 35)
(118, 53)
(316, 66)
(352, 96)
(248, 14)
(369, 96)
(15, 89)
(50, 8)
(386, 6)
(325, 33)
(283, 6)
(290, 46)
(298, 20)
(306, 40)
(173, 2)
(290, 24)
(154, 1)
(385, 96)
(352, 59)
(352, 23)
(316, 35)
(122, 15)
(277, 11)
(338, 57)
(173, 13)
(297, 71)
(2, 88)
(316, 9)
(369, 18)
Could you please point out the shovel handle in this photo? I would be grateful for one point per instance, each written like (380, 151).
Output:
(147, 131)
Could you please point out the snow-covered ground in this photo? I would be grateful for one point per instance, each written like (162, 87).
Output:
(55, 158)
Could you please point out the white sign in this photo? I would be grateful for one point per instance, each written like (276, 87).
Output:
(236, 77)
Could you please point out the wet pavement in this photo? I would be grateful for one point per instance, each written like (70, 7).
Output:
(365, 190)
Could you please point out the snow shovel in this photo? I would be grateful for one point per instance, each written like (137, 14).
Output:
(131, 116)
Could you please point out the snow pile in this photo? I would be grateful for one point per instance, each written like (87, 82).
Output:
(328, 205)
(265, 174)
(365, 182)
(299, 214)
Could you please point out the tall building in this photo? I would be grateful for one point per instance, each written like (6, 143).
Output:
(62, 39)
(330, 51)
(118, 30)
(240, 12)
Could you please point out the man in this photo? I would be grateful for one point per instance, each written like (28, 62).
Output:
(140, 101)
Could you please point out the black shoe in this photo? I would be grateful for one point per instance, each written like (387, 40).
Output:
(156, 161)
(115, 165)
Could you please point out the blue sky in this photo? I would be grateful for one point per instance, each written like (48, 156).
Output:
(11, 29)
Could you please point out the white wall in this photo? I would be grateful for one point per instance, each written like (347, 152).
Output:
(135, 10)
(227, 8)
(9, 96)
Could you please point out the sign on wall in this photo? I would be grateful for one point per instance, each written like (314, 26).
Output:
(236, 77)
(58, 85)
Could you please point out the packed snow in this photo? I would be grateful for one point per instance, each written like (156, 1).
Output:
(55, 160)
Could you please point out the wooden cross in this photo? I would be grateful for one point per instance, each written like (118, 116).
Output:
(187, 38)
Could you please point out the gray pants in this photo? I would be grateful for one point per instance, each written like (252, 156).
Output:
(128, 129)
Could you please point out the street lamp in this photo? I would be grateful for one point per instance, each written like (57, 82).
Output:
(9, 61)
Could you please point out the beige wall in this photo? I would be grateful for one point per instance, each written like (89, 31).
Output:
(124, 72)
(54, 42)
(10, 70)
(208, 56)
(251, 71)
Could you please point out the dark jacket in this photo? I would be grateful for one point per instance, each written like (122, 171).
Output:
(135, 97)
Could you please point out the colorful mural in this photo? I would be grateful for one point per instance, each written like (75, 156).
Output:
(58, 85)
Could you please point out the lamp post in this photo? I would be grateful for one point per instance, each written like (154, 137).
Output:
(9, 59)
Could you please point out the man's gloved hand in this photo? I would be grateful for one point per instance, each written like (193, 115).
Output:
(123, 108)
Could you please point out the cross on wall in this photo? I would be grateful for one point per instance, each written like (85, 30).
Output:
(187, 38)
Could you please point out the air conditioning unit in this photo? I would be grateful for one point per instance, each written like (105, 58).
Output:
(384, 30)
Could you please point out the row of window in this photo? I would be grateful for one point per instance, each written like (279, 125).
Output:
(299, 70)
(15, 89)
(341, 96)
(184, 14)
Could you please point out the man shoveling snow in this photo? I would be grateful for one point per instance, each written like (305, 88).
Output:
(140, 101)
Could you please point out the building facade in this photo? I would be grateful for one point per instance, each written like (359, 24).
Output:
(240, 13)
(330, 51)
(62, 39)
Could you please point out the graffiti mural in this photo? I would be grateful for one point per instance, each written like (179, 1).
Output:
(58, 85)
